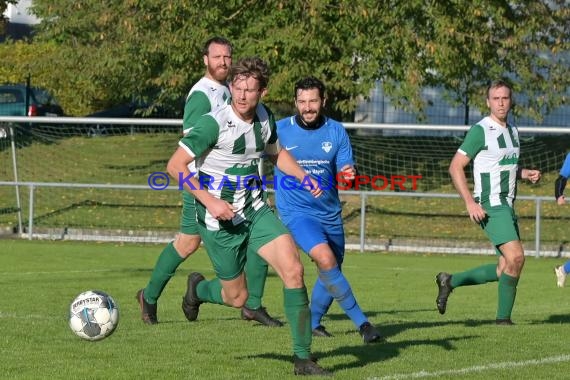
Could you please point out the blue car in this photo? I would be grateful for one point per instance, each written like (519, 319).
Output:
(21, 100)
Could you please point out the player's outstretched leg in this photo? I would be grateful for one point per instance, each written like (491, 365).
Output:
(443, 281)
(340, 289)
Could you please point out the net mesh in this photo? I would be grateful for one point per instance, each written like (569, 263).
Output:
(128, 155)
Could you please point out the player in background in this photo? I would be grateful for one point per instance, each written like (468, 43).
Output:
(494, 146)
(322, 147)
(209, 93)
(562, 270)
(234, 221)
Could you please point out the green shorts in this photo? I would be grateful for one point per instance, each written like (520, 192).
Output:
(188, 223)
(500, 225)
(228, 247)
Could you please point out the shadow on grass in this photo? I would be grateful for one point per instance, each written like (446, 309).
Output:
(365, 354)
(389, 330)
(554, 319)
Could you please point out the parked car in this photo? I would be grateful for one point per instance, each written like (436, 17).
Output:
(21, 100)
(127, 110)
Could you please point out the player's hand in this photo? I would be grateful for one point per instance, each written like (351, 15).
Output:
(220, 209)
(476, 212)
(561, 200)
(314, 188)
(532, 175)
(348, 172)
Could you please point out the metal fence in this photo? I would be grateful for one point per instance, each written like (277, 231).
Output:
(361, 223)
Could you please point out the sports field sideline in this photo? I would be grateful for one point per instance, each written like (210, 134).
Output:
(397, 291)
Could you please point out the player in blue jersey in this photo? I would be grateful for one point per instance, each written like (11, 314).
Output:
(322, 147)
(562, 270)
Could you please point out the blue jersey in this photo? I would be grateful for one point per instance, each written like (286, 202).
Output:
(565, 171)
(322, 152)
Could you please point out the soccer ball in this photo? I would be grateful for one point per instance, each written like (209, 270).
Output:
(93, 315)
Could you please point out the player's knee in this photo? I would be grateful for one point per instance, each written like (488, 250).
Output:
(518, 262)
(187, 244)
(236, 299)
(327, 262)
(293, 276)
(323, 257)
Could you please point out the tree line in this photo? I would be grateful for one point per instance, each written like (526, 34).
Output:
(96, 54)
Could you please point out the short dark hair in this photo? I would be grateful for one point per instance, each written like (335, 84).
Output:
(500, 83)
(216, 40)
(309, 83)
(253, 67)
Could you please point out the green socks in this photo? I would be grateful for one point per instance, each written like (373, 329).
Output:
(476, 276)
(255, 275)
(488, 273)
(507, 294)
(210, 291)
(164, 269)
(296, 302)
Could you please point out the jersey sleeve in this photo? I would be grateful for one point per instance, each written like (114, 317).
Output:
(196, 105)
(474, 141)
(202, 136)
(565, 170)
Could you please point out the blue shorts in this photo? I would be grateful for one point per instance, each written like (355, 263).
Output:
(309, 232)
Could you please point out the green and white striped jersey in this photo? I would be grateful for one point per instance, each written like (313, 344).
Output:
(205, 96)
(227, 152)
(495, 152)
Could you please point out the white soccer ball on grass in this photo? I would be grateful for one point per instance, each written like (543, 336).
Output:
(93, 315)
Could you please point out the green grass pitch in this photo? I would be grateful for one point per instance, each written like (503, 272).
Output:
(38, 279)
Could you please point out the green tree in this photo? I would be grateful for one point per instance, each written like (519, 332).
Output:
(113, 51)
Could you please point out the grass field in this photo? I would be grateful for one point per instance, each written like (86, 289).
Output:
(39, 278)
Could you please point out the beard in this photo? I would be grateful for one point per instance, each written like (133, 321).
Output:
(219, 73)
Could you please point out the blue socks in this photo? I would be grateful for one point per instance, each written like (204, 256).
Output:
(333, 283)
(321, 300)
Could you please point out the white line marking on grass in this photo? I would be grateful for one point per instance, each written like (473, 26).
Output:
(478, 368)
(4, 315)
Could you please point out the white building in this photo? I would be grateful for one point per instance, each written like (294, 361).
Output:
(19, 14)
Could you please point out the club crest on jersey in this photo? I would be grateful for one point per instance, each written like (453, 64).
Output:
(327, 146)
